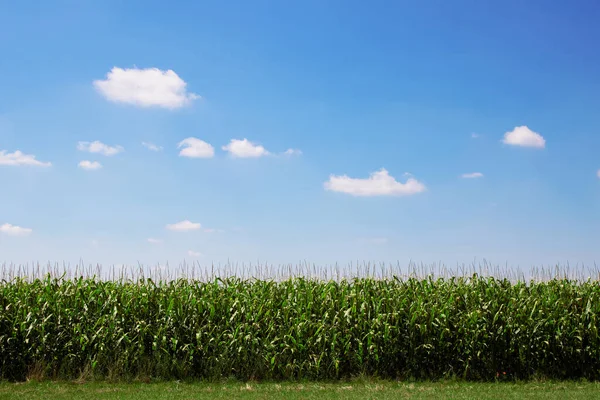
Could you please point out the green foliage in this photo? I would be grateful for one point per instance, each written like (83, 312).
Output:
(474, 328)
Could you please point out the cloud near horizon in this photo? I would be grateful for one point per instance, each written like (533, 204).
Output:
(379, 183)
(13, 230)
(149, 87)
(184, 226)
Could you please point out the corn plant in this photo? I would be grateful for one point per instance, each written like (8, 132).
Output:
(475, 328)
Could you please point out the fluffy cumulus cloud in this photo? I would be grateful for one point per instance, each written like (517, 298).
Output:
(184, 226)
(89, 165)
(14, 230)
(150, 87)
(524, 137)
(99, 148)
(379, 183)
(18, 159)
(151, 146)
(472, 175)
(245, 149)
(195, 148)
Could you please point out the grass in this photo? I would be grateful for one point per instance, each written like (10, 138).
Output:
(291, 391)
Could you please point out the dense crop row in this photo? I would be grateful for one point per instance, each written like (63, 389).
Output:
(423, 328)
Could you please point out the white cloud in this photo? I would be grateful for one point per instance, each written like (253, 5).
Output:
(192, 253)
(475, 135)
(18, 158)
(195, 148)
(14, 230)
(89, 165)
(184, 226)
(154, 241)
(524, 137)
(245, 149)
(379, 183)
(99, 148)
(148, 87)
(151, 146)
(293, 152)
(472, 175)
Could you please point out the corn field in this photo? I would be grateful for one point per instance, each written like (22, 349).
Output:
(473, 327)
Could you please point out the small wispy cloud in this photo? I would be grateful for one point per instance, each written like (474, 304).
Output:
(475, 135)
(154, 241)
(192, 253)
(89, 165)
(379, 183)
(18, 158)
(245, 149)
(195, 148)
(598, 173)
(151, 146)
(524, 137)
(14, 230)
(149, 87)
(293, 152)
(99, 148)
(184, 226)
(472, 175)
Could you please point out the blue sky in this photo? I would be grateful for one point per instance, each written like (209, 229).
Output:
(383, 106)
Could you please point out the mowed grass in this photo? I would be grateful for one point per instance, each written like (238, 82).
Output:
(291, 391)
